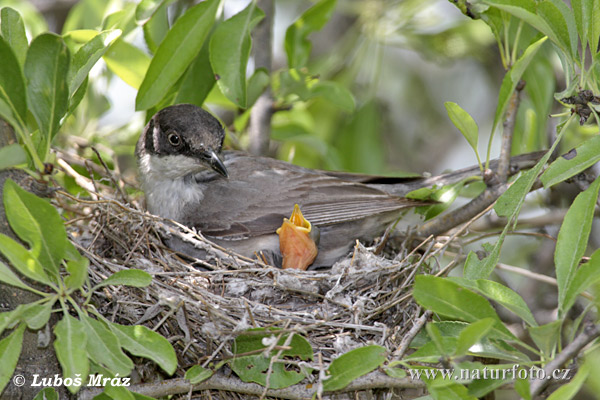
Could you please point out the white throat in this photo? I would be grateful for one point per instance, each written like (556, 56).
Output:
(167, 192)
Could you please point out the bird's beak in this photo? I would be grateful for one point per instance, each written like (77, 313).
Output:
(217, 165)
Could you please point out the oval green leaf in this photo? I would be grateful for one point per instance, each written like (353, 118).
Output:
(143, 342)
(297, 46)
(70, 347)
(87, 56)
(450, 299)
(464, 122)
(128, 277)
(573, 240)
(10, 349)
(38, 224)
(22, 260)
(12, 85)
(229, 52)
(13, 31)
(585, 155)
(12, 155)
(176, 52)
(127, 62)
(103, 347)
(198, 374)
(352, 365)
(46, 69)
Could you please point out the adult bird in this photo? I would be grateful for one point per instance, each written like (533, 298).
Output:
(239, 201)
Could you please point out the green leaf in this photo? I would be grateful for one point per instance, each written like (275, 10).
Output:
(229, 52)
(143, 342)
(481, 269)
(128, 277)
(577, 160)
(12, 85)
(352, 365)
(446, 328)
(46, 68)
(118, 392)
(36, 315)
(546, 337)
(12, 155)
(393, 371)
(198, 81)
(432, 352)
(198, 374)
(87, 56)
(572, 240)
(472, 334)
(582, 12)
(157, 27)
(10, 278)
(560, 19)
(500, 294)
(436, 338)
(570, 390)
(257, 84)
(512, 78)
(465, 124)
(47, 394)
(22, 260)
(78, 272)
(526, 10)
(70, 346)
(336, 94)
(594, 26)
(176, 52)
(147, 8)
(38, 224)
(77, 96)
(10, 349)
(448, 298)
(103, 347)
(522, 388)
(297, 45)
(253, 368)
(586, 276)
(127, 62)
(13, 31)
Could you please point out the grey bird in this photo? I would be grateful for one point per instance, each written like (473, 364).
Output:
(238, 200)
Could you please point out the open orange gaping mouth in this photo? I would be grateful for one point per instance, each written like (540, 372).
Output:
(297, 247)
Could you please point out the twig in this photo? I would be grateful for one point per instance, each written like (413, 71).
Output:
(409, 336)
(589, 333)
(467, 212)
(507, 135)
(220, 381)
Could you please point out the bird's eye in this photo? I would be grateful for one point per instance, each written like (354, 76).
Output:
(174, 139)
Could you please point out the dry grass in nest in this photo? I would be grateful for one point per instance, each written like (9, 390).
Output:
(201, 307)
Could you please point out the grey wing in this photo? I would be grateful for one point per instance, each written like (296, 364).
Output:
(260, 192)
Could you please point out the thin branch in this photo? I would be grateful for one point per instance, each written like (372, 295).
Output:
(410, 335)
(301, 391)
(509, 128)
(450, 220)
(589, 333)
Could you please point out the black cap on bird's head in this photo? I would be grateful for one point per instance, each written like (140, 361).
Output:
(184, 130)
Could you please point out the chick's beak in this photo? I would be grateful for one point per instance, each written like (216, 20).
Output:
(296, 241)
(217, 165)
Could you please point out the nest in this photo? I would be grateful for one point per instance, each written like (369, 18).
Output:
(201, 306)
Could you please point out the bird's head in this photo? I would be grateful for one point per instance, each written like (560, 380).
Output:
(181, 140)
